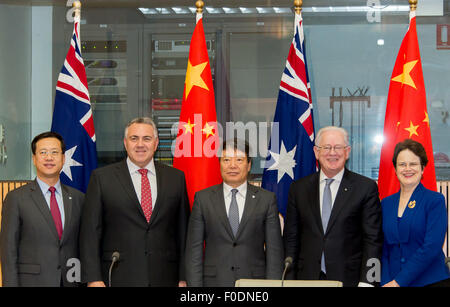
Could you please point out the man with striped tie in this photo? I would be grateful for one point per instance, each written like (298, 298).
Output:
(40, 222)
(234, 230)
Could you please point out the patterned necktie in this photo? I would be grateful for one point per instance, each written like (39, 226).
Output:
(54, 209)
(326, 212)
(233, 213)
(146, 194)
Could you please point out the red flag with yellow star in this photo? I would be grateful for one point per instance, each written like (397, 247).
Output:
(406, 113)
(198, 139)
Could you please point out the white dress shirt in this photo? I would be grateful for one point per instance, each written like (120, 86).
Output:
(136, 177)
(58, 194)
(240, 197)
(334, 187)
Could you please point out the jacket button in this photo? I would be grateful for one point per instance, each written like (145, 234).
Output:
(402, 260)
(234, 244)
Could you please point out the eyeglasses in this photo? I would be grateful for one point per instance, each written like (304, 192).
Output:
(237, 160)
(404, 165)
(45, 153)
(336, 148)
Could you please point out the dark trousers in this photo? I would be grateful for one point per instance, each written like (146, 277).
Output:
(442, 283)
(322, 276)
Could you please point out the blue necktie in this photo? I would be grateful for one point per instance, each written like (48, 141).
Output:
(233, 213)
(326, 212)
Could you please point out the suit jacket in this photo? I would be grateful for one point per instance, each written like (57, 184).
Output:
(151, 254)
(31, 252)
(412, 250)
(353, 235)
(214, 257)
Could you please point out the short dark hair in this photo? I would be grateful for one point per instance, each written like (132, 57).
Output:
(237, 144)
(413, 146)
(46, 135)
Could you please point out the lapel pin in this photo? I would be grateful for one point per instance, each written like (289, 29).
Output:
(412, 204)
(253, 196)
(345, 189)
(70, 197)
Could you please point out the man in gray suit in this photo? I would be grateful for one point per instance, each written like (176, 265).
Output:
(234, 230)
(40, 222)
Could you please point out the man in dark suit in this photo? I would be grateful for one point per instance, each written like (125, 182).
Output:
(333, 220)
(40, 222)
(138, 208)
(234, 229)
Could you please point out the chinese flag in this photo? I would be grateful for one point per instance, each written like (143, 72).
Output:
(406, 113)
(198, 137)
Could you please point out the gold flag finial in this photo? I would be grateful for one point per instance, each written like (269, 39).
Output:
(199, 4)
(298, 6)
(412, 5)
(77, 7)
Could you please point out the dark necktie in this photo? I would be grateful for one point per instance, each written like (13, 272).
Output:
(233, 213)
(326, 212)
(146, 194)
(54, 209)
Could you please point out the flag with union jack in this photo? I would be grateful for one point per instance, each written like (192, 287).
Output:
(72, 117)
(291, 154)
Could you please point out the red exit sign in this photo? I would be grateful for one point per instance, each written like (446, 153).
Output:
(443, 36)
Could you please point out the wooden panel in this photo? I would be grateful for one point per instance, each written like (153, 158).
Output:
(5, 187)
(444, 188)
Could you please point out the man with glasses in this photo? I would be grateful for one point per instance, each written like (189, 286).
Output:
(333, 220)
(40, 222)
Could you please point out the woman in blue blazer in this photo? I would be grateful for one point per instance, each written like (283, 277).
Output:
(414, 225)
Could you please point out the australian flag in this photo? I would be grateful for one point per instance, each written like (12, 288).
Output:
(291, 154)
(72, 117)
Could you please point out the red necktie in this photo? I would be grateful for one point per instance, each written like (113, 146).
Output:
(146, 194)
(55, 212)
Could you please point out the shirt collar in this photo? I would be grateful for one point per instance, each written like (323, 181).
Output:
(242, 189)
(337, 178)
(133, 168)
(44, 186)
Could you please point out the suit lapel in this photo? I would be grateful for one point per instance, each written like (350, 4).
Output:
(251, 199)
(315, 200)
(218, 201)
(415, 201)
(158, 203)
(67, 200)
(124, 177)
(392, 224)
(344, 192)
(41, 204)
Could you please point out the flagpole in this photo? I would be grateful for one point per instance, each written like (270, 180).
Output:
(298, 6)
(77, 7)
(298, 12)
(412, 9)
(199, 4)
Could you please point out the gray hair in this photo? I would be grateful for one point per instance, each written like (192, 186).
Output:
(332, 128)
(142, 120)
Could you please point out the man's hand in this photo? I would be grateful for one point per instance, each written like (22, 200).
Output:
(182, 284)
(392, 283)
(96, 284)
